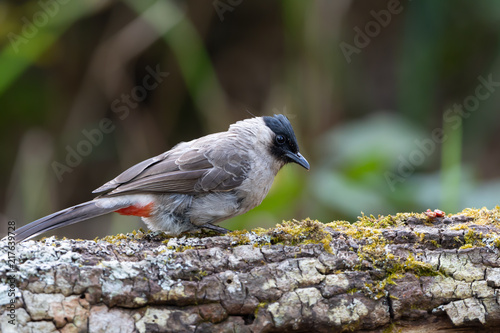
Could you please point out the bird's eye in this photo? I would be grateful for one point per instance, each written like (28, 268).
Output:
(280, 139)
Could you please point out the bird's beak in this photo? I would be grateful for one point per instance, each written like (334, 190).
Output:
(299, 159)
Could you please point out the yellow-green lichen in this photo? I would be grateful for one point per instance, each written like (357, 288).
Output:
(259, 306)
(460, 226)
(483, 216)
(287, 233)
(240, 237)
(180, 248)
(435, 243)
(383, 222)
(396, 270)
(419, 268)
(198, 275)
(301, 232)
(352, 291)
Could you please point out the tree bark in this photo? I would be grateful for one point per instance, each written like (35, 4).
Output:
(413, 272)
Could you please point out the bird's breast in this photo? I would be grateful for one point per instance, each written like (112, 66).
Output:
(257, 185)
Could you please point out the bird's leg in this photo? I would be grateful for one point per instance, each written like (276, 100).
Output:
(215, 228)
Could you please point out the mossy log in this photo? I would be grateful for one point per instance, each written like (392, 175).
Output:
(408, 273)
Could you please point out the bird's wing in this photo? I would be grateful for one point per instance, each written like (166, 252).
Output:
(209, 164)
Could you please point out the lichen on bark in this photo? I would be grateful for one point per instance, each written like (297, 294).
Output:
(388, 272)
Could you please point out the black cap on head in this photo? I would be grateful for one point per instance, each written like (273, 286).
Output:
(284, 145)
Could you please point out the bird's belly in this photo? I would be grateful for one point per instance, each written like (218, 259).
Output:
(214, 207)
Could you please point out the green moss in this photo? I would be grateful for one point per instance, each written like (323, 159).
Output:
(240, 237)
(289, 233)
(396, 269)
(373, 244)
(483, 216)
(134, 235)
(414, 266)
(382, 222)
(113, 239)
(352, 291)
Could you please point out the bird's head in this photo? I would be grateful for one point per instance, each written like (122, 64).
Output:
(284, 145)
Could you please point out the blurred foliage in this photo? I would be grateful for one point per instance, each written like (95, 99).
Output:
(364, 121)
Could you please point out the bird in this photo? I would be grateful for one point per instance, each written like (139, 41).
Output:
(194, 185)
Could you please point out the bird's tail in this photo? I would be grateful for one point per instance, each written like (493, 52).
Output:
(71, 215)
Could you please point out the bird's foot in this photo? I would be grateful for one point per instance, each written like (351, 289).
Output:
(215, 228)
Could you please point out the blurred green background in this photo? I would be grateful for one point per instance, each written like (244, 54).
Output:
(395, 104)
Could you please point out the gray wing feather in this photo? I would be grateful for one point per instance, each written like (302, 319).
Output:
(126, 176)
(174, 182)
(204, 165)
(211, 180)
(193, 160)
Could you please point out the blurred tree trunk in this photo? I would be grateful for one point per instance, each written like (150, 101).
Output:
(413, 273)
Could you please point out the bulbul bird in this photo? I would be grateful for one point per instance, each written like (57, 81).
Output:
(195, 184)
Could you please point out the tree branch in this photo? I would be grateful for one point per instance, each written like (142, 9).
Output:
(406, 271)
